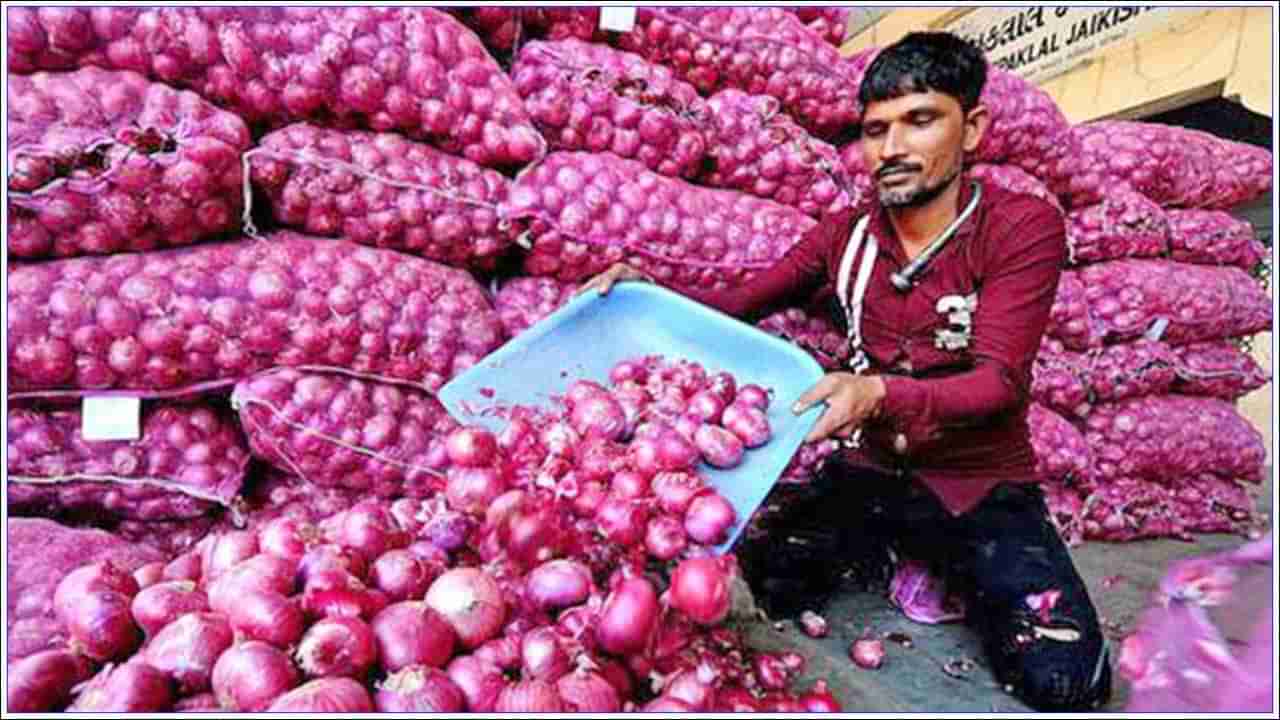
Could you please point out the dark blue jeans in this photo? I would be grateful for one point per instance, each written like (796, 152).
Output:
(1024, 596)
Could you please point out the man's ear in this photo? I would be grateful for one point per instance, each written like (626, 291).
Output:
(976, 122)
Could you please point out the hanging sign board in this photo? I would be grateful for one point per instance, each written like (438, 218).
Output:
(1044, 41)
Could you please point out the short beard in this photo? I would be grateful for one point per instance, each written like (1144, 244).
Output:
(918, 196)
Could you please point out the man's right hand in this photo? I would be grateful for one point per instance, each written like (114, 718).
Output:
(605, 280)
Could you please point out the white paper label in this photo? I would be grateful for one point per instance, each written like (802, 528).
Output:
(1156, 331)
(111, 418)
(617, 19)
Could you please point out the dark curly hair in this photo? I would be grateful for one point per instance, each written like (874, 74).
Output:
(924, 61)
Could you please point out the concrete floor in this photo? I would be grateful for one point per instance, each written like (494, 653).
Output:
(1121, 578)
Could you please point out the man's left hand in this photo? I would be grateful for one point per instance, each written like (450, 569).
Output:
(851, 401)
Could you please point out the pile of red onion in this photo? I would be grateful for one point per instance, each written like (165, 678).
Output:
(566, 567)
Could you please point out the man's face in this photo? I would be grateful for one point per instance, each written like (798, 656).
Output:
(914, 145)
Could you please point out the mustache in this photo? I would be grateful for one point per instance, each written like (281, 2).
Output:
(896, 167)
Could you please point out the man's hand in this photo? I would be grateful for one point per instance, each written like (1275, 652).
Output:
(605, 280)
(851, 401)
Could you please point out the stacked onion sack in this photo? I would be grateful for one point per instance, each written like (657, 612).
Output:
(1144, 352)
(563, 564)
(1134, 425)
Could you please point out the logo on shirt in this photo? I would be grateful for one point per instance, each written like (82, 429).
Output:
(958, 310)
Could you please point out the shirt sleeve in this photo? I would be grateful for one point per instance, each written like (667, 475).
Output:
(1014, 302)
(799, 272)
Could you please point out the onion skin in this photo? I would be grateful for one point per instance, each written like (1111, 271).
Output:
(419, 689)
(250, 676)
(327, 695)
(149, 574)
(42, 682)
(412, 633)
(160, 604)
(337, 647)
(629, 616)
(187, 648)
(132, 687)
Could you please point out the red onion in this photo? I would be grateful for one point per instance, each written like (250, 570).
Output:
(542, 657)
(793, 661)
(693, 686)
(687, 425)
(479, 681)
(753, 396)
(287, 537)
(419, 689)
(600, 459)
(560, 440)
(748, 424)
(629, 616)
(709, 518)
(598, 416)
(820, 700)
(149, 574)
(435, 558)
(814, 625)
(586, 691)
(101, 625)
(583, 390)
(401, 575)
(160, 604)
(719, 447)
(337, 647)
(618, 676)
(529, 696)
(269, 617)
(706, 406)
(132, 687)
(470, 490)
(501, 652)
(675, 490)
(95, 577)
(867, 653)
(412, 633)
(633, 370)
(328, 558)
(629, 485)
(370, 529)
(471, 446)
(260, 573)
(43, 682)
(623, 521)
(779, 701)
(502, 506)
(187, 648)
(665, 537)
(326, 695)
(533, 533)
(591, 495)
(350, 600)
(700, 589)
(558, 584)
(735, 698)
(184, 567)
(250, 676)
(448, 529)
(770, 672)
(675, 452)
(664, 704)
(723, 385)
(228, 550)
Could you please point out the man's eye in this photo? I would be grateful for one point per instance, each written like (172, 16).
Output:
(873, 130)
(923, 120)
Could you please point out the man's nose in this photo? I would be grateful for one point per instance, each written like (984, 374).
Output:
(892, 145)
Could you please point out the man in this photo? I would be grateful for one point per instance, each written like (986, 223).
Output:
(933, 409)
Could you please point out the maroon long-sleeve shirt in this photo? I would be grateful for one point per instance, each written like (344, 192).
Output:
(954, 418)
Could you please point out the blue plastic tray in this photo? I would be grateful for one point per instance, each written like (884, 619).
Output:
(592, 333)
